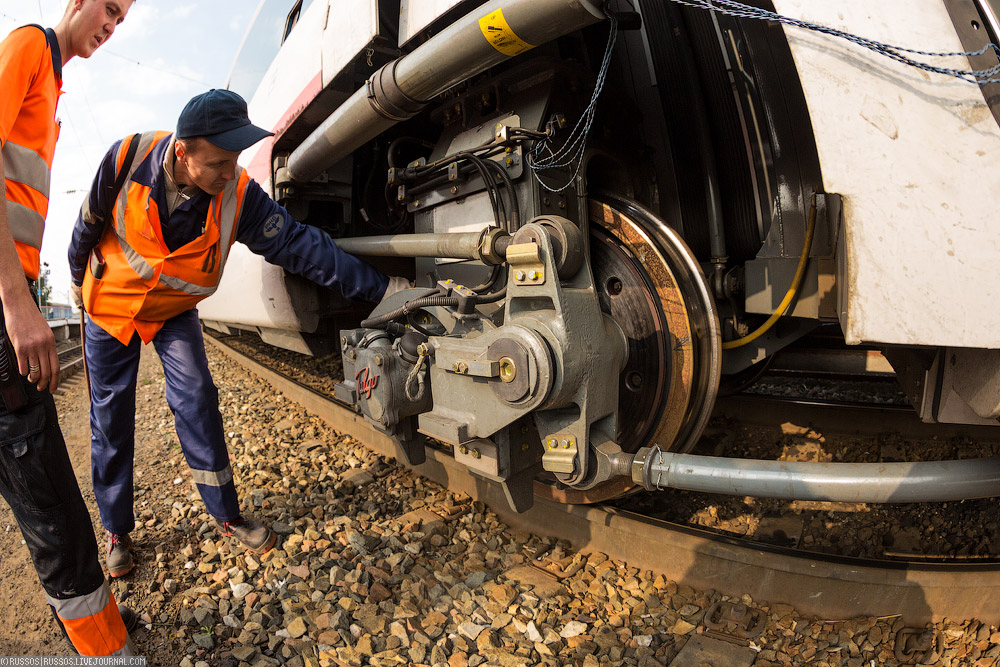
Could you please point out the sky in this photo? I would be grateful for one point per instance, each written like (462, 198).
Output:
(164, 53)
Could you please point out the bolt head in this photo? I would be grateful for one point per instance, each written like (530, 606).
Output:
(378, 360)
(519, 275)
(463, 449)
(476, 454)
(564, 444)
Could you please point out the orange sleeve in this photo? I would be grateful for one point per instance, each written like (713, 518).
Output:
(21, 55)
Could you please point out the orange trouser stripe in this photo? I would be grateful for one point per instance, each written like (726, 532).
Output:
(102, 633)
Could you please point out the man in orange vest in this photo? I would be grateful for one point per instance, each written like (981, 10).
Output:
(143, 254)
(36, 476)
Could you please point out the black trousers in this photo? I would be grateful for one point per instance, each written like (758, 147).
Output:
(37, 481)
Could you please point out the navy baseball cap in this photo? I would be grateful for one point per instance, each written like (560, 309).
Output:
(221, 117)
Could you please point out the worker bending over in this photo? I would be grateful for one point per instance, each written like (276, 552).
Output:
(151, 242)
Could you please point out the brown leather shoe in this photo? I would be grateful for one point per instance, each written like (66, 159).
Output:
(254, 535)
(119, 555)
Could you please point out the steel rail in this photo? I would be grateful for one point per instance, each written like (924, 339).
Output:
(816, 584)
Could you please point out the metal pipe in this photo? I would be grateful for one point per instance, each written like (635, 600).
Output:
(924, 481)
(403, 87)
(462, 245)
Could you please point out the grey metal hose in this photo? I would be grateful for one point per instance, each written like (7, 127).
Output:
(923, 481)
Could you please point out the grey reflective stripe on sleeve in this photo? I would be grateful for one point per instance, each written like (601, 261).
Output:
(82, 606)
(26, 225)
(24, 165)
(210, 478)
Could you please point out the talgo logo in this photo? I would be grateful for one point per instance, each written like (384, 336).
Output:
(366, 382)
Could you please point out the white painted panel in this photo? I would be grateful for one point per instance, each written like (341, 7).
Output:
(915, 156)
(415, 15)
(351, 26)
(252, 292)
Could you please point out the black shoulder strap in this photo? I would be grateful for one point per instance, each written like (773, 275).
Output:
(96, 260)
(53, 42)
(133, 146)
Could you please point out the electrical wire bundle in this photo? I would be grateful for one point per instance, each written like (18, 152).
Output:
(897, 53)
(497, 182)
(543, 156)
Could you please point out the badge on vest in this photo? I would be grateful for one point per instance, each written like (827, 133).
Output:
(273, 225)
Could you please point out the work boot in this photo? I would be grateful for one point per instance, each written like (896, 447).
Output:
(129, 618)
(254, 535)
(119, 558)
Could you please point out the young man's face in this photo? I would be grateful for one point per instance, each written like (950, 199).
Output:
(208, 166)
(93, 22)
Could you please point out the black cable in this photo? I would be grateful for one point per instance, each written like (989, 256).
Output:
(409, 307)
(396, 143)
(515, 219)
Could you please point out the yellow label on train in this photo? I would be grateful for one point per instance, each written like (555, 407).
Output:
(498, 33)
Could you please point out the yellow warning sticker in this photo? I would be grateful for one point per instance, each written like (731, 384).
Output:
(498, 33)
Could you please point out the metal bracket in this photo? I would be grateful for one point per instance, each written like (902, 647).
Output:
(526, 260)
(914, 645)
(485, 369)
(735, 619)
(560, 453)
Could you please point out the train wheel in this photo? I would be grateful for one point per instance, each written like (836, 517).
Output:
(652, 285)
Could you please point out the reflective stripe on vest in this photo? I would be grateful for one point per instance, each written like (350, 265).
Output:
(26, 224)
(93, 622)
(25, 166)
(30, 143)
(226, 207)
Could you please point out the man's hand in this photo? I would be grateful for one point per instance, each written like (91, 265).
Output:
(77, 291)
(33, 341)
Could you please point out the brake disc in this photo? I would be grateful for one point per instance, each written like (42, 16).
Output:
(649, 281)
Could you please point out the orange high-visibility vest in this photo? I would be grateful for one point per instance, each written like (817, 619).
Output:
(143, 283)
(28, 131)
